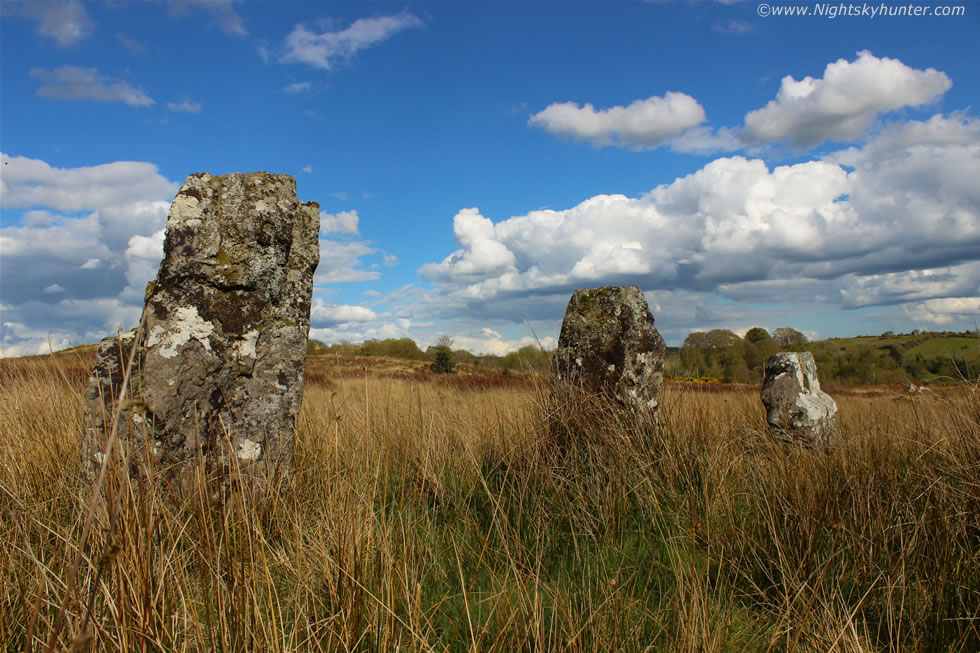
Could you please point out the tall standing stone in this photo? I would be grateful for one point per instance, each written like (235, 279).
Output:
(219, 367)
(797, 410)
(609, 346)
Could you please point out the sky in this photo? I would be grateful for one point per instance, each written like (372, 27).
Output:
(475, 162)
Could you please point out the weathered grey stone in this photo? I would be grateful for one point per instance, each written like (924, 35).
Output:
(797, 410)
(218, 376)
(609, 346)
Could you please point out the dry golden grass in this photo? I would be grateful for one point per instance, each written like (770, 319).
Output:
(427, 514)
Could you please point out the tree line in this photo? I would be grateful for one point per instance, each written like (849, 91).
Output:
(722, 354)
(888, 358)
(442, 356)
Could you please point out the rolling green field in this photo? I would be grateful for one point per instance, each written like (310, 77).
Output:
(927, 357)
(951, 346)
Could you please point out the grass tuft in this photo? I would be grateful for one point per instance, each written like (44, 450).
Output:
(485, 514)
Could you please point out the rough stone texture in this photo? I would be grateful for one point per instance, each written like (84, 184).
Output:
(797, 410)
(219, 370)
(609, 346)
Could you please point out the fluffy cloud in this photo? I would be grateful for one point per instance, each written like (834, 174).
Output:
(87, 85)
(889, 223)
(491, 342)
(943, 311)
(705, 140)
(344, 222)
(381, 328)
(80, 244)
(910, 285)
(66, 23)
(482, 254)
(325, 49)
(340, 262)
(323, 315)
(843, 103)
(643, 124)
(94, 232)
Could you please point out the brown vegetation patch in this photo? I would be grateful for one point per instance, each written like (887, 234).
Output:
(423, 516)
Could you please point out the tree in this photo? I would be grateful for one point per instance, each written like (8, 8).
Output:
(314, 346)
(757, 334)
(443, 362)
(393, 347)
(693, 361)
(789, 337)
(759, 346)
(715, 353)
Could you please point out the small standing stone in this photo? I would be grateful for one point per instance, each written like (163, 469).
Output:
(218, 374)
(797, 410)
(609, 346)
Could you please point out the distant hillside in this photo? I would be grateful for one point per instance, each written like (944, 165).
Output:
(888, 358)
(926, 357)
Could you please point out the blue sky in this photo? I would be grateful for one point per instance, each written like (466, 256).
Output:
(477, 161)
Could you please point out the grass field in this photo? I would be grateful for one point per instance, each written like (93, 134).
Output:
(478, 514)
(967, 348)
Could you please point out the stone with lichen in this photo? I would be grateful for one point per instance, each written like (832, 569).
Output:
(797, 410)
(218, 373)
(609, 347)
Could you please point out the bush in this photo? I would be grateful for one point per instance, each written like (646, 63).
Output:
(443, 362)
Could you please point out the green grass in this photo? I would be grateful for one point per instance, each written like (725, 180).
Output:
(948, 346)
(928, 345)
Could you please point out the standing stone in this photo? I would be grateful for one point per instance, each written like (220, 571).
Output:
(797, 410)
(609, 346)
(218, 374)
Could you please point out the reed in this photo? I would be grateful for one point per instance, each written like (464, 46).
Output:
(487, 516)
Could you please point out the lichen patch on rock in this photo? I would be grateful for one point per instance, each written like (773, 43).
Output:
(184, 325)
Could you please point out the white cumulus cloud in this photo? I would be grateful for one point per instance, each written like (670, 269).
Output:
(80, 244)
(324, 315)
(482, 254)
(844, 102)
(894, 221)
(87, 241)
(491, 342)
(340, 262)
(344, 222)
(943, 311)
(642, 124)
